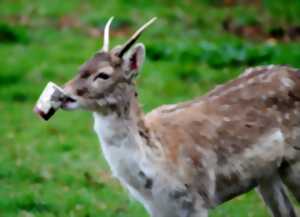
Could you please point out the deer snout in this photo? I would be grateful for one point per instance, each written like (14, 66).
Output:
(69, 101)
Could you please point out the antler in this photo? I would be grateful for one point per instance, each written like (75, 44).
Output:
(106, 35)
(134, 37)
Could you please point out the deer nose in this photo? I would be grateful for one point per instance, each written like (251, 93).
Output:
(68, 98)
(68, 90)
(69, 101)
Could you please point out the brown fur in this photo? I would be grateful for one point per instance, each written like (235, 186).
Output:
(229, 119)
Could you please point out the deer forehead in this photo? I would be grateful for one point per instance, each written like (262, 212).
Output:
(101, 61)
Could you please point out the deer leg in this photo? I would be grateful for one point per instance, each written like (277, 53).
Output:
(291, 178)
(274, 196)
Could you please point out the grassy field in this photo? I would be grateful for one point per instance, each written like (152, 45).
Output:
(55, 168)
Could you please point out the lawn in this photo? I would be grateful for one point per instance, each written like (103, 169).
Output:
(56, 168)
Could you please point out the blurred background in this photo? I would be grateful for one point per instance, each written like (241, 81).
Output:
(55, 168)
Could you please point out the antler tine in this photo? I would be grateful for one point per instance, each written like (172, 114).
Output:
(134, 37)
(106, 35)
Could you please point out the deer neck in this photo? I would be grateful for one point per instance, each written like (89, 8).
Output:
(120, 120)
(118, 132)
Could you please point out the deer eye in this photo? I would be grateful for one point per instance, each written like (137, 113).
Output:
(102, 75)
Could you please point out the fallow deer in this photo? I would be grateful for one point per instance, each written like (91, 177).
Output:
(182, 160)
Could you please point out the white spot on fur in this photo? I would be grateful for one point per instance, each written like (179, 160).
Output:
(247, 72)
(226, 119)
(250, 70)
(241, 86)
(224, 107)
(263, 97)
(295, 111)
(251, 81)
(287, 116)
(271, 93)
(279, 119)
(267, 78)
(287, 82)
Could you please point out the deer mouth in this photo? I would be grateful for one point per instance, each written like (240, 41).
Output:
(69, 103)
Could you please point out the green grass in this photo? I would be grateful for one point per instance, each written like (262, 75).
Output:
(55, 168)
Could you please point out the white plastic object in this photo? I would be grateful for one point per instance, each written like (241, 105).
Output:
(49, 101)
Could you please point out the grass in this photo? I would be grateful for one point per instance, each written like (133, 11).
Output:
(55, 168)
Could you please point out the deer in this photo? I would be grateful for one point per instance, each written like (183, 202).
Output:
(184, 159)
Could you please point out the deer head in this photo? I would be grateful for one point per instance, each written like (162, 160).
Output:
(107, 79)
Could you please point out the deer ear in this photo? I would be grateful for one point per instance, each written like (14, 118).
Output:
(134, 60)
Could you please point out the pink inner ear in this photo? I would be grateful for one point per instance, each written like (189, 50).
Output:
(133, 62)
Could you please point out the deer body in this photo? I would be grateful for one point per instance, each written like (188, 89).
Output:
(205, 152)
(182, 160)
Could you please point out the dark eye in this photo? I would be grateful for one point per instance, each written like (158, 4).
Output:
(102, 75)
